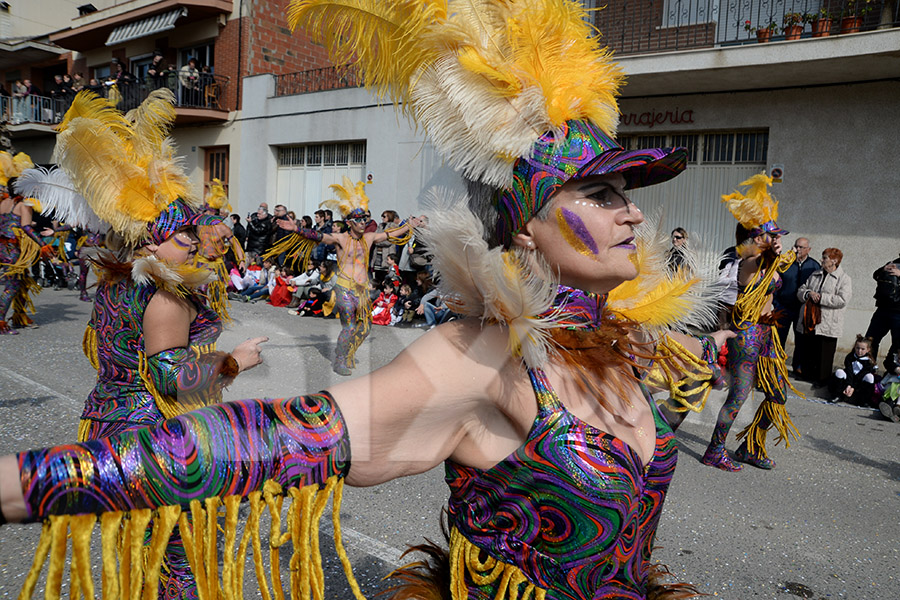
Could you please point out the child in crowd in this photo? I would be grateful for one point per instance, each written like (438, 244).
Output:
(381, 308)
(302, 283)
(280, 295)
(320, 301)
(405, 308)
(393, 270)
(890, 385)
(855, 383)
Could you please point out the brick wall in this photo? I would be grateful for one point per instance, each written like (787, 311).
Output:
(274, 49)
(636, 26)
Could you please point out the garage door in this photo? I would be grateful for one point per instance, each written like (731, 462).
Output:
(306, 171)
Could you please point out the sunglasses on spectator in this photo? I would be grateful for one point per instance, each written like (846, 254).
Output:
(677, 237)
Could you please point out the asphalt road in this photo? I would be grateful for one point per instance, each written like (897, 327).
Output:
(823, 524)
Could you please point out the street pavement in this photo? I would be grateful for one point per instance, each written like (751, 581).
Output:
(823, 524)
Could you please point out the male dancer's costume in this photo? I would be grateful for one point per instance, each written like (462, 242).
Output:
(352, 298)
(572, 513)
(87, 244)
(755, 355)
(20, 248)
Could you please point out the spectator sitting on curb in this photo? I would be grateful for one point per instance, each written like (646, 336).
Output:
(890, 399)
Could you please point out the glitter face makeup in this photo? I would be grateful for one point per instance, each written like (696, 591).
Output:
(575, 232)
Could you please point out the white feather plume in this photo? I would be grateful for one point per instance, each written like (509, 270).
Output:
(489, 283)
(58, 196)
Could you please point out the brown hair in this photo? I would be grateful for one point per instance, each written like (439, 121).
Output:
(834, 254)
(861, 339)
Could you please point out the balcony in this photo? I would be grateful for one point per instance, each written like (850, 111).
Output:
(195, 102)
(316, 80)
(652, 26)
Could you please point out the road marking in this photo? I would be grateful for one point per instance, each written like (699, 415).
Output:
(34, 385)
(364, 543)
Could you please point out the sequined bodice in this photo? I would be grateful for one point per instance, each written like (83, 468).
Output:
(572, 508)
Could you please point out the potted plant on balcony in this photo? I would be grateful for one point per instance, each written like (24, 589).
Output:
(763, 33)
(820, 22)
(792, 25)
(852, 15)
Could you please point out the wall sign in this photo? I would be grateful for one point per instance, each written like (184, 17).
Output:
(653, 118)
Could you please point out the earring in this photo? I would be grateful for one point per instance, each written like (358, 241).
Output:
(531, 245)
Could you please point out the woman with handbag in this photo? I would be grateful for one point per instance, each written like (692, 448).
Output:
(825, 296)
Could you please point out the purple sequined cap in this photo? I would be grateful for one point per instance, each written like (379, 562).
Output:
(585, 150)
(770, 227)
(175, 216)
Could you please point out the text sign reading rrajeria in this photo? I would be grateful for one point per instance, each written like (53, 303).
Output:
(653, 118)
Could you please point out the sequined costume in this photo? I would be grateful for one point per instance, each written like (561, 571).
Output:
(755, 358)
(573, 509)
(19, 249)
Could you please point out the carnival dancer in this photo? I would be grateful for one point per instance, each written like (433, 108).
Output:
(151, 337)
(88, 243)
(352, 288)
(755, 355)
(20, 245)
(557, 458)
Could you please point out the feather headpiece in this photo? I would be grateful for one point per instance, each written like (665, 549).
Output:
(217, 198)
(13, 166)
(351, 199)
(754, 207)
(125, 165)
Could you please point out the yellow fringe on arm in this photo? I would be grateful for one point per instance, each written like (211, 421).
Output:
(132, 557)
(683, 373)
(29, 253)
(399, 240)
(465, 557)
(22, 304)
(296, 248)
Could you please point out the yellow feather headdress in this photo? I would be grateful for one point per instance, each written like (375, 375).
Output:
(484, 78)
(754, 207)
(123, 164)
(13, 166)
(217, 197)
(350, 197)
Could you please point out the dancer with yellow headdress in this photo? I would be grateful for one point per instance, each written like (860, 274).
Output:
(557, 458)
(755, 356)
(351, 289)
(20, 245)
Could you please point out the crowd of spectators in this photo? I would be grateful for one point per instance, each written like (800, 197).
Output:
(402, 290)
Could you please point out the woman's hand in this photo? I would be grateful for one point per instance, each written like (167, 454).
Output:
(816, 297)
(247, 354)
(721, 336)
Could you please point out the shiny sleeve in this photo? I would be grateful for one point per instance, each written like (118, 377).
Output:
(32, 234)
(221, 450)
(181, 370)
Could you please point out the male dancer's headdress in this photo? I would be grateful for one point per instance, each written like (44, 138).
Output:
(351, 202)
(754, 207)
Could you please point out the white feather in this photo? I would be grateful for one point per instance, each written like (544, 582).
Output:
(58, 196)
(490, 283)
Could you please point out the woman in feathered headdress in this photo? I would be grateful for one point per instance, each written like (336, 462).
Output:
(352, 288)
(20, 245)
(557, 458)
(755, 355)
(152, 333)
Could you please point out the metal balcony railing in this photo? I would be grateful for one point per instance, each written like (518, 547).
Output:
(316, 80)
(648, 26)
(203, 91)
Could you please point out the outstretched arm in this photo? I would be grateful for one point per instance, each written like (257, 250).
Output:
(310, 234)
(397, 232)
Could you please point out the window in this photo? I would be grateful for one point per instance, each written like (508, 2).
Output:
(101, 73)
(732, 148)
(216, 165)
(204, 53)
(317, 155)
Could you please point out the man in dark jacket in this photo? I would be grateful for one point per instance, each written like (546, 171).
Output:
(887, 306)
(259, 229)
(240, 232)
(786, 300)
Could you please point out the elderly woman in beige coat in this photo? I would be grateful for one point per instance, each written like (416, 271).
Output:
(830, 290)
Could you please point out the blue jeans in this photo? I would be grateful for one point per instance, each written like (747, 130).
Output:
(435, 315)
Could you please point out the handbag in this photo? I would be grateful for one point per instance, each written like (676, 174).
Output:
(418, 261)
(812, 316)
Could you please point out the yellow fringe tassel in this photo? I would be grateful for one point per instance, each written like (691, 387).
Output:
(29, 253)
(89, 347)
(685, 374)
(22, 303)
(755, 434)
(132, 556)
(401, 240)
(465, 557)
(296, 248)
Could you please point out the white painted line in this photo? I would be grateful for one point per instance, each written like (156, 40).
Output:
(34, 385)
(362, 542)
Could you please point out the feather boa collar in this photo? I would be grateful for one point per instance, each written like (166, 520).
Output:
(524, 295)
(180, 279)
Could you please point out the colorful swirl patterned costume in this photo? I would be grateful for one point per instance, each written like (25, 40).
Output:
(572, 509)
(18, 251)
(133, 390)
(755, 357)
